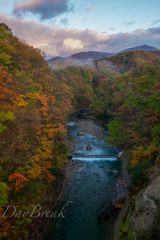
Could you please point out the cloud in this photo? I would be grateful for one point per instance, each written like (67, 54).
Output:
(110, 28)
(64, 21)
(72, 43)
(89, 8)
(60, 41)
(43, 9)
(156, 22)
(71, 8)
(4, 3)
(128, 23)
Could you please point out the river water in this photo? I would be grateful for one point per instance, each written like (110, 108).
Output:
(85, 209)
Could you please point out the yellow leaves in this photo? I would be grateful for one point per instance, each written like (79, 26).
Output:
(42, 101)
(140, 154)
(45, 149)
(34, 171)
(45, 153)
(137, 156)
(152, 150)
(30, 95)
(61, 158)
(50, 177)
(53, 129)
(40, 161)
(36, 158)
(20, 101)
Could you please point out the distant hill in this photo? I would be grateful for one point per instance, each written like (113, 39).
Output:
(143, 47)
(127, 61)
(92, 54)
(77, 59)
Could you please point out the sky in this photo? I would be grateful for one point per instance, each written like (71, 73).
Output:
(65, 27)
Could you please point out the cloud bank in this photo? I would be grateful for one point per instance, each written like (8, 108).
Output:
(43, 9)
(59, 41)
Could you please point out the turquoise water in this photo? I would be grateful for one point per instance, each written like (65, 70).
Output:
(86, 202)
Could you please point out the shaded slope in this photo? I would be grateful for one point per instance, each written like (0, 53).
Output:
(127, 61)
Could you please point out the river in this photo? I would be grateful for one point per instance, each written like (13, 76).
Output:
(85, 209)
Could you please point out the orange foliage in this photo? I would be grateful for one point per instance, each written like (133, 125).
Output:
(20, 180)
(134, 137)
(157, 87)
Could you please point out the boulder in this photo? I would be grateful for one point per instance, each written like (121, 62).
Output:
(101, 166)
(119, 155)
(115, 171)
(80, 133)
(88, 148)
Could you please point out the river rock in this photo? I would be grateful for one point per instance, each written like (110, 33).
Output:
(88, 148)
(80, 133)
(108, 169)
(101, 166)
(119, 155)
(115, 171)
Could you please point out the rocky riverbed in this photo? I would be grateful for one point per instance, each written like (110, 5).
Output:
(87, 125)
(91, 127)
(93, 185)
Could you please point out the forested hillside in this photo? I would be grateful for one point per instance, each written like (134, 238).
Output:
(132, 99)
(35, 104)
(123, 90)
(130, 94)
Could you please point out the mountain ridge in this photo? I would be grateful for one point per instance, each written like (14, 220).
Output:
(142, 47)
(87, 58)
(77, 59)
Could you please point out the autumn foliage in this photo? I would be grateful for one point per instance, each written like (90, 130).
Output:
(35, 103)
(34, 109)
(128, 97)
